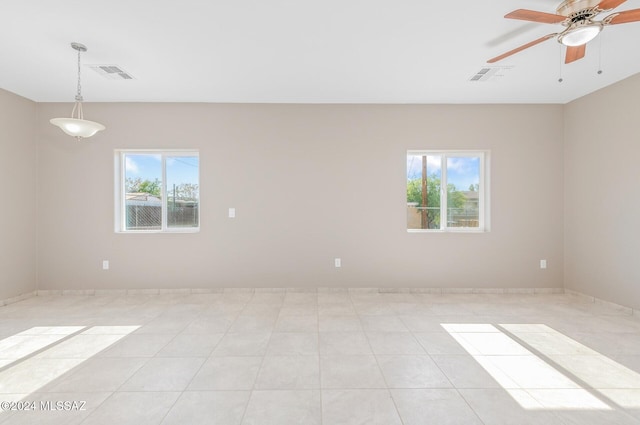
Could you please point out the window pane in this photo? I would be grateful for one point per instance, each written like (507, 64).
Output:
(423, 191)
(183, 196)
(463, 184)
(143, 191)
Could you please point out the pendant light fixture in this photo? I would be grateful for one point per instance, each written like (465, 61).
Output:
(77, 126)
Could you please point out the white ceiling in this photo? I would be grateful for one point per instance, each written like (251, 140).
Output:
(300, 51)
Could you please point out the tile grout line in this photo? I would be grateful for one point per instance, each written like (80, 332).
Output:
(142, 366)
(164, 417)
(253, 387)
(456, 389)
(375, 356)
(319, 358)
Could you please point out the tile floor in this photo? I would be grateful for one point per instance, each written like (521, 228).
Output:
(334, 358)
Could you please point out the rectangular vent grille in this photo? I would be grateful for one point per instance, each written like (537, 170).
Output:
(112, 72)
(110, 69)
(490, 73)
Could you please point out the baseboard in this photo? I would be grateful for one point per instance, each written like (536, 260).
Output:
(604, 303)
(318, 290)
(18, 298)
(328, 290)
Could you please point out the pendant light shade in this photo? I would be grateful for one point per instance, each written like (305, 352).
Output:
(77, 126)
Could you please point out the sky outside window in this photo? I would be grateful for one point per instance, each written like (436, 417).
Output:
(461, 171)
(184, 169)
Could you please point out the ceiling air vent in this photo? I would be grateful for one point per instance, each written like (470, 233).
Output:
(112, 72)
(488, 73)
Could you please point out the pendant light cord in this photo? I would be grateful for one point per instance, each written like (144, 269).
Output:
(77, 107)
(79, 95)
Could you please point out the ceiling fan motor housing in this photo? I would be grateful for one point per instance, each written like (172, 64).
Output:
(570, 7)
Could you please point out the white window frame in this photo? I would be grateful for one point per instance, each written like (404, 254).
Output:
(483, 190)
(120, 169)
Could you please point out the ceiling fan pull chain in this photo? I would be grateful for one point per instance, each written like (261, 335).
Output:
(600, 55)
(560, 79)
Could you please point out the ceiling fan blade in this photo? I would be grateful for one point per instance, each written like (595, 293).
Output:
(610, 4)
(521, 48)
(575, 52)
(534, 16)
(625, 17)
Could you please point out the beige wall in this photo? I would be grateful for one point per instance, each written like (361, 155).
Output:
(602, 196)
(18, 209)
(343, 165)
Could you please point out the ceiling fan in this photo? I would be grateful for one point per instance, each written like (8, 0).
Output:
(578, 18)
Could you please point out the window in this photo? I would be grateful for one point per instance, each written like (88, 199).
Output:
(157, 191)
(447, 191)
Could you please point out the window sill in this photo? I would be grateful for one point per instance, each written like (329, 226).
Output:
(460, 230)
(155, 232)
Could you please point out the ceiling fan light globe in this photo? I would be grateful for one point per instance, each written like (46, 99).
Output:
(580, 35)
(77, 127)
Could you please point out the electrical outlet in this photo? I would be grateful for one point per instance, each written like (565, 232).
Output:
(105, 264)
(232, 213)
(543, 264)
(337, 262)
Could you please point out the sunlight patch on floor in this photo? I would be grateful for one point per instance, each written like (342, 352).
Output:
(531, 381)
(28, 374)
(27, 342)
(616, 382)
